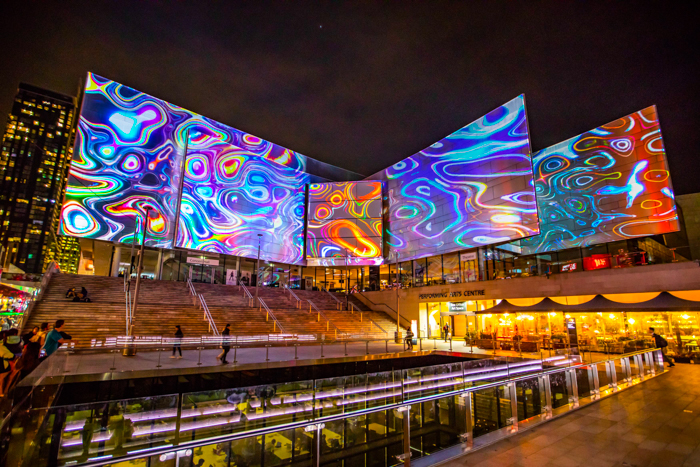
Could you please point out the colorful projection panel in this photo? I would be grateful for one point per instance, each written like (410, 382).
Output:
(344, 220)
(230, 195)
(471, 188)
(129, 153)
(608, 184)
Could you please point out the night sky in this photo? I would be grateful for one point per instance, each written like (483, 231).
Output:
(363, 85)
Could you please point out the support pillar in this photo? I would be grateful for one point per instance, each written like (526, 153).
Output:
(406, 456)
(116, 259)
(159, 265)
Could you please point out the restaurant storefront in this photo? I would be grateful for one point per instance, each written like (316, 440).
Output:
(491, 324)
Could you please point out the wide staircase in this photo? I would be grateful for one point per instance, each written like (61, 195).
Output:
(164, 304)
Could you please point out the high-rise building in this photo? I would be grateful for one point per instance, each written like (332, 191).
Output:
(34, 163)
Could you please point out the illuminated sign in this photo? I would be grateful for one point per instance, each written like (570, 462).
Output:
(596, 262)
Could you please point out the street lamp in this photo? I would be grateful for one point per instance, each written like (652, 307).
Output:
(257, 271)
(398, 312)
(139, 269)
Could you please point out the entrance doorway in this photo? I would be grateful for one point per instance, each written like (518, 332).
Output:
(201, 273)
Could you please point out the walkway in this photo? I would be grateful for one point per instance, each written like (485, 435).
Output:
(656, 423)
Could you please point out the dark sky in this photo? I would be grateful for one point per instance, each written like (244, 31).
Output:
(363, 85)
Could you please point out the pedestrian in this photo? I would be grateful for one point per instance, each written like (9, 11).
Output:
(446, 329)
(14, 342)
(225, 344)
(409, 339)
(662, 344)
(56, 337)
(177, 345)
(26, 338)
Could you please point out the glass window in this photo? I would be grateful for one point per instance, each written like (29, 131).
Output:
(450, 266)
(435, 270)
(419, 272)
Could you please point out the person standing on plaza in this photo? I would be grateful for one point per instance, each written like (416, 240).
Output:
(177, 345)
(662, 344)
(225, 345)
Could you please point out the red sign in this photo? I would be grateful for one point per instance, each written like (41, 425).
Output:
(596, 262)
(568, 267)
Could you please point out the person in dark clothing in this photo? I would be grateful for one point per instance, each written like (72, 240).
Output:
(661, 343)
(28, 336)
(176, 347)
(225, 347)
(71, 293)
(13, 342)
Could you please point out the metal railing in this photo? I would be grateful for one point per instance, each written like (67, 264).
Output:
(557, 385)
(246, 293)
(403, 319)
(207, 315)
(353, 308)
(338, 303)
(269, 314)
(45, 279)
(329, 323)
(293, 295)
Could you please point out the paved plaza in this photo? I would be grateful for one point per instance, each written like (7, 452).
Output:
(656, 423)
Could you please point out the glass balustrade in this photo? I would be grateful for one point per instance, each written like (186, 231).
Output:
(360, 420)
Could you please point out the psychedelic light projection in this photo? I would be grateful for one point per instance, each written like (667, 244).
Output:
(608, 184)
(471, 188)
(344, 224)
(129, 156)
(231, 194)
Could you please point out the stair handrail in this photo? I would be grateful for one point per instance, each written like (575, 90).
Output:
(190, 286)
(368, 317)
(388, 306)
(270, 314)
(320, 314)
(339, 304)
(45, 279)
(291, 293)
(247, 293)
(207, 315)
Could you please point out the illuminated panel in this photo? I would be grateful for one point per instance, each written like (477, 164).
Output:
(232, 194)
(344, 220)
(472, 188)
(128, 156)
(608, 184)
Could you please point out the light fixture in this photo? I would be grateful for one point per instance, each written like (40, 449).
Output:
(631, 321)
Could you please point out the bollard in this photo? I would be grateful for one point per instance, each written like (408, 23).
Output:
(235, 354)
(159, 351)
(296, 348)
(114, 361)
(386, 346)
(367, 347)
(420, 344)
(434, 344)
(346, 348)
(199, 361)
(267, 352)
(321, 349)
(450, 344)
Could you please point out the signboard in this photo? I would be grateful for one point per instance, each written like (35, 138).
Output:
(309, 283)
(198, 260)
(573, 336)
(231, 277)
(456, 294)
(468, 256)
(596, 262)
(568, 267)
(457, 306)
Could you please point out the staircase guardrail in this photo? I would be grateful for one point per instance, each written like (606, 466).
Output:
(207, 315)
(338, 303)
(353, 308)
(293, 295)
(45, 279)
(407, 326)
(320, 314)
(269, 314)
(247, 293)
